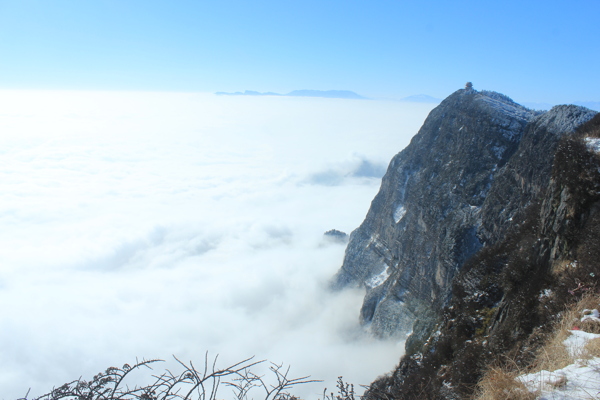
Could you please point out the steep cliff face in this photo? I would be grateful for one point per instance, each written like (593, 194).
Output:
(478, 161)
(528, 171)
(507, 297)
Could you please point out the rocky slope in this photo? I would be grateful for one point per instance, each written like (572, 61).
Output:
(508, 297)
(468, 178)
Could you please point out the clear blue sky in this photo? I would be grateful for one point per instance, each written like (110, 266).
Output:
(540, 51)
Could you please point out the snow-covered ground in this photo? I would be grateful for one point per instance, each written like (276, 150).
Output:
(579, 380)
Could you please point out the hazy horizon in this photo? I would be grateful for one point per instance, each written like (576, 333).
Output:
(534, 52)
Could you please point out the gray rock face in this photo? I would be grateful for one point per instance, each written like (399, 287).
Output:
(527, 173)
(454, 189)
(509, 297)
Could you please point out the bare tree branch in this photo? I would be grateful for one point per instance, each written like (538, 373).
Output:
(190, 384)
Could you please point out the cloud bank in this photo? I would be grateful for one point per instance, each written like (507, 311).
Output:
(156, 224)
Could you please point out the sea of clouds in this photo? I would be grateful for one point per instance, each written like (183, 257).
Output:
(146, 225)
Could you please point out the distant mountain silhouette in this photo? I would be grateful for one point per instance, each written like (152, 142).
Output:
(332, 94)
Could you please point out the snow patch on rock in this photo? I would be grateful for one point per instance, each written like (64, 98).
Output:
(379, 279)
(565, 118)
(593, 144)
(399, 213)
(505, 107)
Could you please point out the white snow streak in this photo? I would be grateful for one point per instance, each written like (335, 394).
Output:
(379, 279)
(399, 213)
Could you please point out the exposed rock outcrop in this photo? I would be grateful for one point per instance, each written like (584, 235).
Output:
(507, 298)
(336, 236)
(476, 164)
(474, 220)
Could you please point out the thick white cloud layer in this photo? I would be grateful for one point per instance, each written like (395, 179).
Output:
(157, 224)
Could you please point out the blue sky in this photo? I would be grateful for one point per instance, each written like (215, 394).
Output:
(533, 51)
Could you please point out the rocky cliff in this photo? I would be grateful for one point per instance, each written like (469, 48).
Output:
(469, 177)
(508, 297)
(424, 222)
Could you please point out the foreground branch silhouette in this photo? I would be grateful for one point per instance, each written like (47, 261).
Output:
(191, 384)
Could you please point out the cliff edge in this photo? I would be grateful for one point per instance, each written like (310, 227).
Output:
(473, 222)
(477, 162)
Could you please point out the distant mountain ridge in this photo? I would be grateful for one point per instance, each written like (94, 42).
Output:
(331, 94)
(417, 98)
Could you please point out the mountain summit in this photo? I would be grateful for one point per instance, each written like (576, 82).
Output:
(465, 181)
(424, 222)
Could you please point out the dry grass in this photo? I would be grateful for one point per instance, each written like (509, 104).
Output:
(500, 383)
(592, 349)
(560, 266)
(588, 302)
(553, 354)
